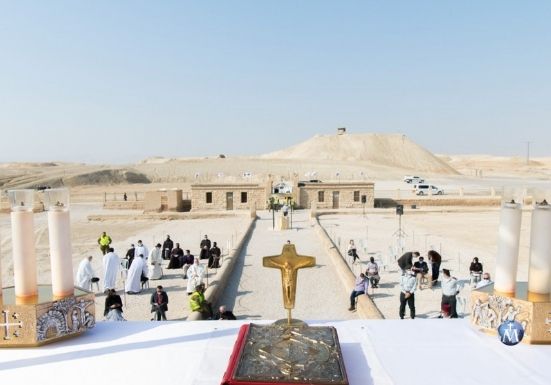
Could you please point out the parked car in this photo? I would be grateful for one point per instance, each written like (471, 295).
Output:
(413, 179)
(423, 189)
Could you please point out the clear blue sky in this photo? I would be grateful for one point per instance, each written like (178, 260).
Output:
(118, 81)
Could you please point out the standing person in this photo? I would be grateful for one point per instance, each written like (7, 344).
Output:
(372, 272)
(214, 258)
(187, 262)
(224, 314)
(113, 307)
(136, 275)
(111, 266)
(141, 249)
(449, 291)
(85, 274)
(130, 254)
(205, 247)
(351, 251)
(104, 241)
(176, 257)
(408, 283)
(198, 303)
(406, 261)
(125, 197)
(435, 261)
(360, 287)
(285, 209)
(159, 303)
(155, 261)
(195, 275)
(167, 247)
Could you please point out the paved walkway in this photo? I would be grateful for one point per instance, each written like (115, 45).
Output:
(255, 292)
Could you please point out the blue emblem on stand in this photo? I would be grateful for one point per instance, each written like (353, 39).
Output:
(510, 332)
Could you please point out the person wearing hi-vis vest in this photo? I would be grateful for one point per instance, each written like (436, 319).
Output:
(104, 241)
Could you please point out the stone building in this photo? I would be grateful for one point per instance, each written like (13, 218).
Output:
(228, 196)
(240, 196)
(165, 200)
(335, 195)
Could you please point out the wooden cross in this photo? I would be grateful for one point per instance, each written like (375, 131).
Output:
(289, 262)
(7, 324)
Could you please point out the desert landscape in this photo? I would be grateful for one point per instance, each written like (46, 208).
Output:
(460, 232)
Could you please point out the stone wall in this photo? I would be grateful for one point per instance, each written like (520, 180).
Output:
(346, 192)
(218, 196)
(152, 202)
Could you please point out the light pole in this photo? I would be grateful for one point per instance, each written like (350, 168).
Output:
(528, 152)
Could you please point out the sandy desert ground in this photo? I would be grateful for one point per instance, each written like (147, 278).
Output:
(460, 233)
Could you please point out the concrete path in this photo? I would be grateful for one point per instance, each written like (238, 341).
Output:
(255, 292)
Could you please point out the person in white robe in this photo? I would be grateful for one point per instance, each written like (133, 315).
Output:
(195, 275)
(85, 273)
(111, 266)
(155, 261)
(138, 268)
(141, 249)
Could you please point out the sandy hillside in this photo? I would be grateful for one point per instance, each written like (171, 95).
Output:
(390, 150)
(500, 165)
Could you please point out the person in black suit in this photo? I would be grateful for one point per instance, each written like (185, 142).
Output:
(159, 303)
(205, 248)
(406, 261)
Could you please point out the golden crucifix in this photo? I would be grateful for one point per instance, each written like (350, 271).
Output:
(289, 262)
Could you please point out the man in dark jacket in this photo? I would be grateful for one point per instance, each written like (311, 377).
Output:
(167, 247)
(214, 257)
(159, 303)
(406, 261)
(205, 248)
(435, 261)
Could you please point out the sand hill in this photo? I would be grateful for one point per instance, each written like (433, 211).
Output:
(390, 150)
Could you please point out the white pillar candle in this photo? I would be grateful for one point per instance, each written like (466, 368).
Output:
(24, 257)
(507, 248)
(539, 274)
(61, 260)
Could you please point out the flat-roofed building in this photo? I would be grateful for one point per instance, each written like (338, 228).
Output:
(335, 195)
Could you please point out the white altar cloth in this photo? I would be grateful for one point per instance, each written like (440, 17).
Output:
(375, 352)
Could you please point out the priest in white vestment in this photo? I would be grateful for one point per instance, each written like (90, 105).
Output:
(141, 249)
(111, 266)
(154, 262)
(85, 273)
(195, 275)
(135, 272)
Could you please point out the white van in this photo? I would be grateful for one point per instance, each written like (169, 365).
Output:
(423, 189)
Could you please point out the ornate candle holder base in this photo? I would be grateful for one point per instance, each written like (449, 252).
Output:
(490, 308)
(282, 354)
(44, 319)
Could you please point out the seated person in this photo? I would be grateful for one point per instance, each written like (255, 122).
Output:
(372, 273)
(224, 314)
(176, 256)
(113, 307)
(197, 302)
(486, 280)
(476, 271)
(421, 269)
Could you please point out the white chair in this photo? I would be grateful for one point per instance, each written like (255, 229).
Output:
(124, 268)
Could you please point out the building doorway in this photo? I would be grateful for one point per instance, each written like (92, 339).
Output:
(229, 201)
(335, 199)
